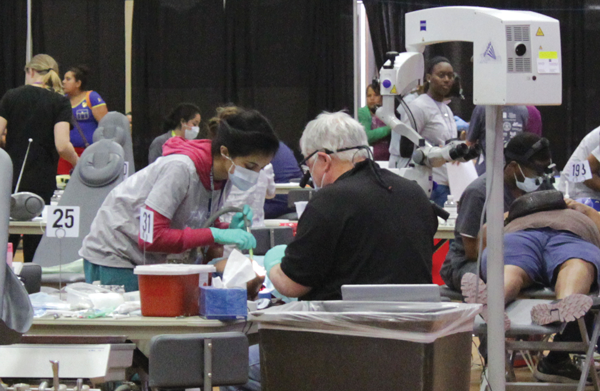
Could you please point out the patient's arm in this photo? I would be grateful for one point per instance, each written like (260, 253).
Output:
(470, 245)
(586, 210)
(594, 182)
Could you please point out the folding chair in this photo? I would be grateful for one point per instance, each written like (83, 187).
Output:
(198, 360)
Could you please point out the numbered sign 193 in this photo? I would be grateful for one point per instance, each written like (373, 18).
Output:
(146, 225)
(579, 171)
(63, 222)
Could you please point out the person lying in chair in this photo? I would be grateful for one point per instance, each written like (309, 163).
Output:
(552, 242)
(527, 164)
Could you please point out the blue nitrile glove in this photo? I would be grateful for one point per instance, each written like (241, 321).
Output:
(237, 222)
(274, 257)
(461, 124)
(244, 240)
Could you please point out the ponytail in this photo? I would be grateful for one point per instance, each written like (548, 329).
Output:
(46, 66)
(52, 82)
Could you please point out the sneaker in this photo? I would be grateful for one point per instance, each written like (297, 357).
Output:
(568, 309)
(563, 372)
(471, 285)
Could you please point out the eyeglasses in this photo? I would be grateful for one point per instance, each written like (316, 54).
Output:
(304, 167)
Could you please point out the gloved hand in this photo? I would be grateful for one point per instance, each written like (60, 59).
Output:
(461, 124)
(237, 222)
(239, 237)
(274, 257)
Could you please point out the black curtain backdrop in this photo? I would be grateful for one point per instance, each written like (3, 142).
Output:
(13, 38)
(564, 125)
(90, 32)
(178, 55)
(290, 60)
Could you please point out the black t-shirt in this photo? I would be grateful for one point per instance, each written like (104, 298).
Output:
(355, 231)
(32, 112)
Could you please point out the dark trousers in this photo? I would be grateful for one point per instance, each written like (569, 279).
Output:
(30, 242)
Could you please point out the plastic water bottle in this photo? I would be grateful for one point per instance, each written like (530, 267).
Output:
(450, 207)
(9, 254)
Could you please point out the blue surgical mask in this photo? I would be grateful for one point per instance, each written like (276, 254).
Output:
(529, 184)
(241, 177)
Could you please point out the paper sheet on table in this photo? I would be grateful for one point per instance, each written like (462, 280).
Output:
(238, 271)
(460, 176)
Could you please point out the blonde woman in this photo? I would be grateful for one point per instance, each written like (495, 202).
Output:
(37, 111)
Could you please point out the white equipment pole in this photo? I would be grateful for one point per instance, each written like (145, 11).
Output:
(495, 256)
(29, 43)
(356, 37)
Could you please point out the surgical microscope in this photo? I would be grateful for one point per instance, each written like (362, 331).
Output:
(516, 61)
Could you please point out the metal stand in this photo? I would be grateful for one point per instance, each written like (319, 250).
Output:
(207, 364)
(495, 258)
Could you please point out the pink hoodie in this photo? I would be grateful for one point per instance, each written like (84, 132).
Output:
(200, 153)
(167, 239)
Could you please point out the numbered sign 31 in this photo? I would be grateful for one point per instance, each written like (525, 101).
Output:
(63, 222)
(146, 225)
(579, 171)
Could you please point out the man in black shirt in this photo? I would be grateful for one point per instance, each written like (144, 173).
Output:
(365, 226)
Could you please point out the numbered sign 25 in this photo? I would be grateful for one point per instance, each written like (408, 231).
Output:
(63, 222)
(579, 171)
(146, 225)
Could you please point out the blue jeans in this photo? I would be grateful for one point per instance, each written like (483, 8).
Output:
(439, 195)
(253, 372)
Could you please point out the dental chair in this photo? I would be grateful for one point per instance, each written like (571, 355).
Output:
(522, 328)
(16, 312)
(115, 126)
(100, 169)
(519, 313)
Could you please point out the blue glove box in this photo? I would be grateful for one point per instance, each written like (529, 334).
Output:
(223, 304)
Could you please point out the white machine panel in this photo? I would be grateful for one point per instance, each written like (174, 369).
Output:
(517, 60)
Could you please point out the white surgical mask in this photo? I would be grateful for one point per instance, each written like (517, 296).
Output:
(529, 184)
(191, 134)
(317, 187)
(241, 177)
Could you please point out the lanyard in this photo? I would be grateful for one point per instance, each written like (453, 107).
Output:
(212, 190)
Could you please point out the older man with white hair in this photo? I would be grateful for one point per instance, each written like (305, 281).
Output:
(365, 225)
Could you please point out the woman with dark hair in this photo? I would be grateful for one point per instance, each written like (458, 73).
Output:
(88, 109)
(378, 134)
(182, 189)
(182, 121)
(434, 120)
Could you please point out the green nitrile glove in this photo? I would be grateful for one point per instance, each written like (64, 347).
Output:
(237, 222)
(274, 257)
(239, 237)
